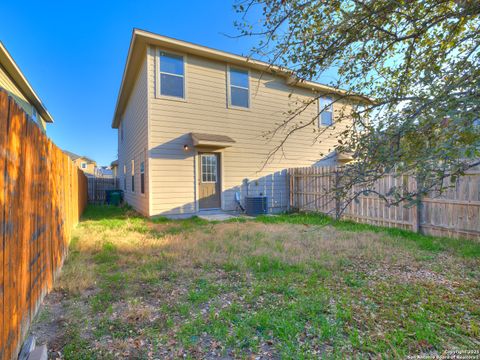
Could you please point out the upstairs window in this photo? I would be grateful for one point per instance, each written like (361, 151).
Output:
(362, 118)
(34, 115)
(84, 165)
(239, 88)
(325, 108)
(172, 75)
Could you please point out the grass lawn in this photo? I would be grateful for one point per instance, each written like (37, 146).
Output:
(291, 286)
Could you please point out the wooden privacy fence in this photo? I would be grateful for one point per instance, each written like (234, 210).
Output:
(97, 187)
(42, 195)
(456, 213)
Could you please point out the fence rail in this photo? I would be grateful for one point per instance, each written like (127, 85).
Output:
(42, 195)
(456, 213)
(97, 187)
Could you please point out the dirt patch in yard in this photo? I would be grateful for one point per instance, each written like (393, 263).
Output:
(54, 320)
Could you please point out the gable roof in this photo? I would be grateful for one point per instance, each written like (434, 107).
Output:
(141, 38)
(12, 69)
(74, 157)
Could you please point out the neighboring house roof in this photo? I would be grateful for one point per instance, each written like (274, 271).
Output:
(12, 69)
(140, 40)
(104, 171)
(114, 163)
(75, 157)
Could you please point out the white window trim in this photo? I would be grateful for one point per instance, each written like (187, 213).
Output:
(83, 165)
(327, 109)
(229, 96)
(201, 170)
(197, 174)
(158, 94)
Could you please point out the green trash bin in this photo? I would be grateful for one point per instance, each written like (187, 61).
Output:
(115, 198)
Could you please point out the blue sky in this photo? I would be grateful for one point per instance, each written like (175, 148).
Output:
(73, 53)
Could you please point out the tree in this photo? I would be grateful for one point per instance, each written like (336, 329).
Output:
(418, 60)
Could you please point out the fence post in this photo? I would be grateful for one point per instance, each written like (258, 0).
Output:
(418, 209)
(337, 196)
(426, 215)
(289, 189)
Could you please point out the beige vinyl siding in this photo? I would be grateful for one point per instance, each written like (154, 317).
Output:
(135, 142)
(173, 171)
(90, 169)
(7, 84)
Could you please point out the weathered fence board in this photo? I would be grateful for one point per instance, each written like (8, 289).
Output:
(97, 187)
(456, 213)
(3, 142)
(42, 195)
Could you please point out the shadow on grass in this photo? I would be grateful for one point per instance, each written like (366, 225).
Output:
(117, 216)
(107, 212)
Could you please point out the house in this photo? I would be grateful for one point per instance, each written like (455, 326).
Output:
(190, 121)
(114, 167)
(104, 172)
(14, 82)
(87, 165)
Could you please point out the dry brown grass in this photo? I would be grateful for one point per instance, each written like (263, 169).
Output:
(78, 274)
(293, 244)
(222, 243)
(189, 280)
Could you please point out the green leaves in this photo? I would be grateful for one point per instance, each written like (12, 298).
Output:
(420, 61)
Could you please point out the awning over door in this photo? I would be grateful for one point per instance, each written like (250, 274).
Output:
(344, 157)
(211, 140)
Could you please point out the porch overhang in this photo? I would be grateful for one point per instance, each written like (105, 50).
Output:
(211, 141)
(344, 157)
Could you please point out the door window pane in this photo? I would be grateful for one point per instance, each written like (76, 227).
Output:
(209, 168)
